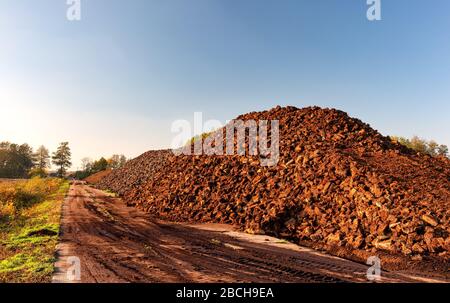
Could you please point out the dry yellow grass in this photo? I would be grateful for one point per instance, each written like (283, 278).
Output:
(29, 227)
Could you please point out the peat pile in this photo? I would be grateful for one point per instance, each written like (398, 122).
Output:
(136, 172)
(97, 177)
(338, 183)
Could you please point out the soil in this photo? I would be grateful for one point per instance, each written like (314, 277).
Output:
(116, 243)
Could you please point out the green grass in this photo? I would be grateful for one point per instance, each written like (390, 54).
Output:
(28, 236)
(199, 137)
(110, 193)
(215, 242)
(282, 242)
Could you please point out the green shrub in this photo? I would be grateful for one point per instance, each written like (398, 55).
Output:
(201, 137)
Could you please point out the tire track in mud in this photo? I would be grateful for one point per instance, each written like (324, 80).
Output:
(116, 243)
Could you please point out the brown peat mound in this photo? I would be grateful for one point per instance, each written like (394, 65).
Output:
(136, 172)
(338, 183)
(97, 177)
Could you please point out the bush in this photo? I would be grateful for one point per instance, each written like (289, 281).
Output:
(201, 137)
(38, 172)
(23, 194)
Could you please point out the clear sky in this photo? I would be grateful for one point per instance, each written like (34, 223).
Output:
(114, 81)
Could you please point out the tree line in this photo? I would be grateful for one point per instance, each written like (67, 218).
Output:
(90, 167)
(431, 147)
(20, 161)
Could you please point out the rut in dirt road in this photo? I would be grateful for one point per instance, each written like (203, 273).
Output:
(116, 243)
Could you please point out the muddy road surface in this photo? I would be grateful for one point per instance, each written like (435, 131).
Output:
(116, 243)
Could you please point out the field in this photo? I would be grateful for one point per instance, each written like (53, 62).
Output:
(29, 227)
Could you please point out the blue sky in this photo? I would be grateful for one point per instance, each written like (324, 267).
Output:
(114, 81)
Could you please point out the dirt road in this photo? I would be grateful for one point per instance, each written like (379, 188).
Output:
(116, 243)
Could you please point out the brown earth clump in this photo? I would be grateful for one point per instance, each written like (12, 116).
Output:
(338, 182)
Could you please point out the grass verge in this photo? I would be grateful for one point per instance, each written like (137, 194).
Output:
(29, 231)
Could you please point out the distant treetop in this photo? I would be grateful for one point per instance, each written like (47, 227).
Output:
(421, 145)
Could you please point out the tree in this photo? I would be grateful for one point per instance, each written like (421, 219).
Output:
(122, 161)
(99, 165)
(42, 158)
(419, 145)
(62, 158)
(86, 164)
(431, 148)
(15, 160)
(89, 168)
(113, 162)
(442, 150)
(116, 161)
